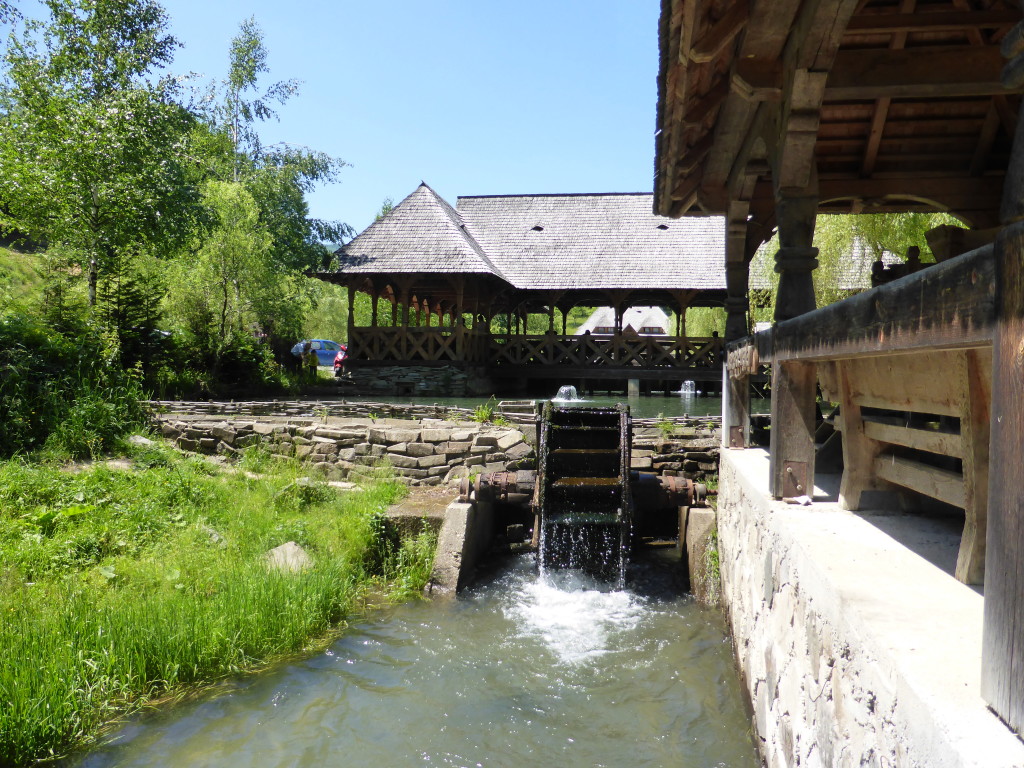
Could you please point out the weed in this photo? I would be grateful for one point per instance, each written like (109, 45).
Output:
(123, 585)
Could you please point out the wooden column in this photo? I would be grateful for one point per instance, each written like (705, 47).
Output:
(351, 313)
(797, 257)
(374, 298)
(792, 433)
(1002, 668)
(737, 279)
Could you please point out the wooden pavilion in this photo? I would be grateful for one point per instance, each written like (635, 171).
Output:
(773, 111)
(450, 277)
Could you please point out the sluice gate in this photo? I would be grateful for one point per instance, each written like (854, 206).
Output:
(587, 508)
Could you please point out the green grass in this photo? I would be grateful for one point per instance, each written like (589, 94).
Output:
(22, 275)
(121, 586)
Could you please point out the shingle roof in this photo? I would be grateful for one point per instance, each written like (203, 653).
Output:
(423, 233)
(595, 241)
(556, 242)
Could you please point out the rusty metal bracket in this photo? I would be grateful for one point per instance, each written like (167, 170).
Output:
(736, 437)
(794, 479)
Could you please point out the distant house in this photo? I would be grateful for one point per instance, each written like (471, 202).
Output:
(644, 321)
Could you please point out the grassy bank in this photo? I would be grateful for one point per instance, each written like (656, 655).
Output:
(120, 585)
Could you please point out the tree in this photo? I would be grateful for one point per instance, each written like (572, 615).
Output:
(278, 177)
(838, 237)
(92, 151)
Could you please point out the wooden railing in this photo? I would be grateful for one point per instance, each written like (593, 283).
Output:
(434, 345)
(419, 345)
(621, 351)
(928, 372)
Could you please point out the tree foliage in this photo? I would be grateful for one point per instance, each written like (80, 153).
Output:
(93, 152)
(847, 245)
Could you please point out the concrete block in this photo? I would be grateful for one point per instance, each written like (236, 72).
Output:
(458, 448)
(462, 435)
(262, 428)
(699, 525)
(640, 462)
(377, 437)
(485, 440)
(398, 448)
(436, 460)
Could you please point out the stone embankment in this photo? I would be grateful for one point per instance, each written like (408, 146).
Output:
(422, 452)
(425, 444)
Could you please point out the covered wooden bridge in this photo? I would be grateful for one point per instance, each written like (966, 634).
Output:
(487, 286)
(774, 111)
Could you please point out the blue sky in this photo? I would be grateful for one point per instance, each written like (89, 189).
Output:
(473, 97)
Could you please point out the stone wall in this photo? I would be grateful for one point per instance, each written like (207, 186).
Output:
(424, 452)
(855, 650)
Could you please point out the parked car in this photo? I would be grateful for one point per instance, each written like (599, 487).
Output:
(325, 350)
(339, 360)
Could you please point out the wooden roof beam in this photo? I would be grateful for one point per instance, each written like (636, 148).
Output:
(948, 21)
(721, 34)
(952, 71)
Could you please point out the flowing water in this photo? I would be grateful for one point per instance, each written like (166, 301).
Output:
(523, 670)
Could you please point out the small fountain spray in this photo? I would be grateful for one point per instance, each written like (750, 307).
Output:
(567, 394)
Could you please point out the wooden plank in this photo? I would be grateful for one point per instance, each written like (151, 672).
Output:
(927, 382)
(859, 452)
(933, 441)
(941, 484)
(791, 453)
(975, 432)
(948, 306)
(1002, 671)
(941, 72)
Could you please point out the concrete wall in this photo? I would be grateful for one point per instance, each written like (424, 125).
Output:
(856, 651)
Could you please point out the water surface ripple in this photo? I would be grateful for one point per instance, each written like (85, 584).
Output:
(524, 670)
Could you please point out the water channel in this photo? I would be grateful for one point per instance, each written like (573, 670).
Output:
(522, 670)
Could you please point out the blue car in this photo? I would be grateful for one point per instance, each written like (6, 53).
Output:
(325, 350)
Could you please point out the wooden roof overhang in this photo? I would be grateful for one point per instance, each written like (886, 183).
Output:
(476, 292)
(879, 105)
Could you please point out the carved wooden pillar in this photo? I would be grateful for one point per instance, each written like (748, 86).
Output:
(737, 304)
(797, 257)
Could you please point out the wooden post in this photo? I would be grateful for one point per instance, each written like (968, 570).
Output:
(735, 410)
(1002, 660)
(974, 436)
(1002, 674)
(796, 258)
(792, 433)
(859, 451)
(373, 309)
(351, 313)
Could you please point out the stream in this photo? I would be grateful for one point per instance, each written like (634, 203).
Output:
(524, 669)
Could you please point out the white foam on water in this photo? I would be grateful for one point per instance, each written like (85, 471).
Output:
(575, 620)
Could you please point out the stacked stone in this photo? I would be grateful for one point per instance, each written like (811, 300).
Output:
(692, 456)
(444, 381)
(422, 454)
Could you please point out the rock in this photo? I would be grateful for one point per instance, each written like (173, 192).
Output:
(459, 448)
(436, 435)
(509, 439)
(140, 441)
(288, 558)
(402, 436)
(485, 440)
(419, 449)
(519, 451)
(640, 462)
(461, 436)
(437, 460)
(261, 428)
(398, 448)
(398, 460)
(185, 444)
